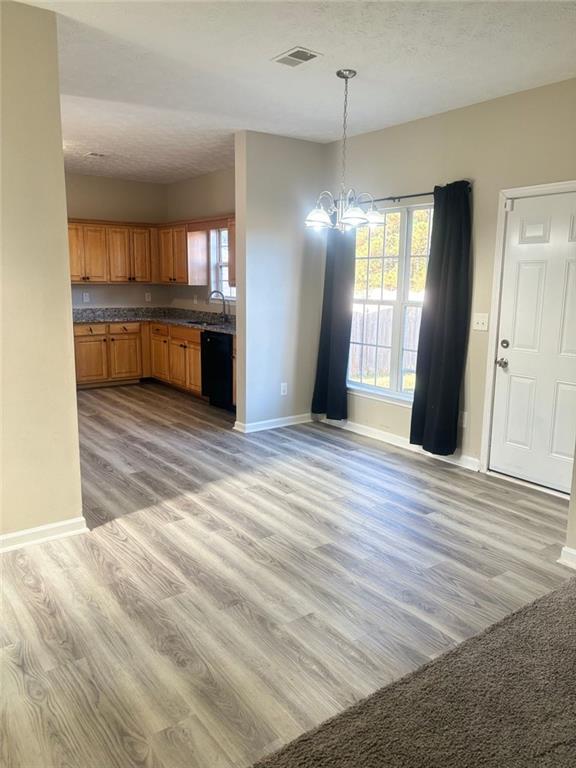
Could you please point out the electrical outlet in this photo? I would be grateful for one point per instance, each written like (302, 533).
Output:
(480, 321)
(284, 388)
(85, 297)
(148, 296)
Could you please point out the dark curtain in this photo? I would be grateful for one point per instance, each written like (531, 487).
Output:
(330, 393)
(444, 326)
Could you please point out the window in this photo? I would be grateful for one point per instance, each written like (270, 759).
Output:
(219, 262)
(391, 262)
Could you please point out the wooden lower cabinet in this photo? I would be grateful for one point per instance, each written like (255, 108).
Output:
(107, 353)
(194, 368)
(125, 356)
(91, 353)
(177, 362)
(159, 357)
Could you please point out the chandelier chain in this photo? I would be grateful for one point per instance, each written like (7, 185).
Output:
(344, 135)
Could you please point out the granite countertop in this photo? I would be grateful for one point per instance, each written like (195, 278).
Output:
(207, 321)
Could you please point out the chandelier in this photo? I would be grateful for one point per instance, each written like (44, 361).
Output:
(345, 212)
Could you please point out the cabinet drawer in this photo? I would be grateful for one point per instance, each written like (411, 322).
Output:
(119, 328)
(158, 330)
(93, 329)
(186, 334)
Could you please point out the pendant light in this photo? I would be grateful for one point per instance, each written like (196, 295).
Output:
(346, 212)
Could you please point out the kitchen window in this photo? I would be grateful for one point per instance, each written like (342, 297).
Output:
(219, 262)
(391, 263)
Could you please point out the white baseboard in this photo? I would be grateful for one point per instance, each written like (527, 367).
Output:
(285, 421)
(568, 557)
(467, 462)
(71, 527)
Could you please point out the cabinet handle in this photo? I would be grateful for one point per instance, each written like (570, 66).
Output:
(87, 278)
(125, 329)
(104, 341)
(112, 339)
(90, 329)
(165, 341)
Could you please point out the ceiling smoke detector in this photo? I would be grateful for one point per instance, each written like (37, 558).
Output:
(296, 56)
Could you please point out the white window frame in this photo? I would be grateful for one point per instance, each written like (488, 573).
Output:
(216, 263)
(395, 392)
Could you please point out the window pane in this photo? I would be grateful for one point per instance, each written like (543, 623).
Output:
(418, 266)
(224, 238)
(408, 371)
(383, 357)
(362, 236)
(412, 317)
(357, 323)
(355, 363)
(375, 278)
(377, 242)
(224, 255)
(420, 237)
(370, 323)
(385, 319)
(360, 278)
(369, 365)
(390, 285)
(392, 235)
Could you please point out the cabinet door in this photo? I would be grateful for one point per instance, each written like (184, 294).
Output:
(125, 357)
(193, 368)
(119, 254)
(178, 363)
(140, 243)
(76, 252)
(232, 253)
(180, 255)
(91, 358)
(197, 256)
(159, 357)
(166, 255)
(95, 253)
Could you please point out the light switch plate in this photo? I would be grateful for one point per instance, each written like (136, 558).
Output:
(283, 388)
(480, 321)
(85, 297)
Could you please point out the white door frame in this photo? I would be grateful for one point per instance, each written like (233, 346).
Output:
(538, 190)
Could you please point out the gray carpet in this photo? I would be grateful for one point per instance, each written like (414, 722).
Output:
(504, 699)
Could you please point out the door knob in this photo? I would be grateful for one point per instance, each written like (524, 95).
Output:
(502, 362)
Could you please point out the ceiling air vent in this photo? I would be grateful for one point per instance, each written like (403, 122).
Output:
(296, 56)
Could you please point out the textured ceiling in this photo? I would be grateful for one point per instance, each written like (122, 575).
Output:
(160, 88)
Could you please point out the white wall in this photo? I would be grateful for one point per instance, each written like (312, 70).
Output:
(40, 457)
(519, 140)
(280, 274)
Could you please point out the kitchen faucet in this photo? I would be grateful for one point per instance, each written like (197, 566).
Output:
(219, 293)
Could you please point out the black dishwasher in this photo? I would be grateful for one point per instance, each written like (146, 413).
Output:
(217, 368)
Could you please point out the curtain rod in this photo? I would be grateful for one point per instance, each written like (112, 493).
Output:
(395, 198)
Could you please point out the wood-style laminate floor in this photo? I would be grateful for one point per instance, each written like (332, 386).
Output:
(236, 590)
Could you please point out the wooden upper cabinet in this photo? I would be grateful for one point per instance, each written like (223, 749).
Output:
(141, 254)
(91, 358)
(165, 255)
(76, 251)
(232, 253)
(180, 246)
(198, 256)
(95, 253)
(119, 254)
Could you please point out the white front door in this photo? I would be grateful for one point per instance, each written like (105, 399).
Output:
(534, 414)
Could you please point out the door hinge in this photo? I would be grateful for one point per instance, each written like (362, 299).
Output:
(509, 204)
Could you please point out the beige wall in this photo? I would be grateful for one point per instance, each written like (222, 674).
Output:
(201, 197)
(97, 197)
(524, 139)
(40, 458)
(280, 274)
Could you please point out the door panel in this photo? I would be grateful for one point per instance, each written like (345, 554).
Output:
(193, 368)
(95, 253)
(76, 251)
(125, 357)
(534, 414)
(91, 359)
(166, 255)
(140, 242)
(119, 254)
(178, 363)
(180, 255)
(159, 367)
